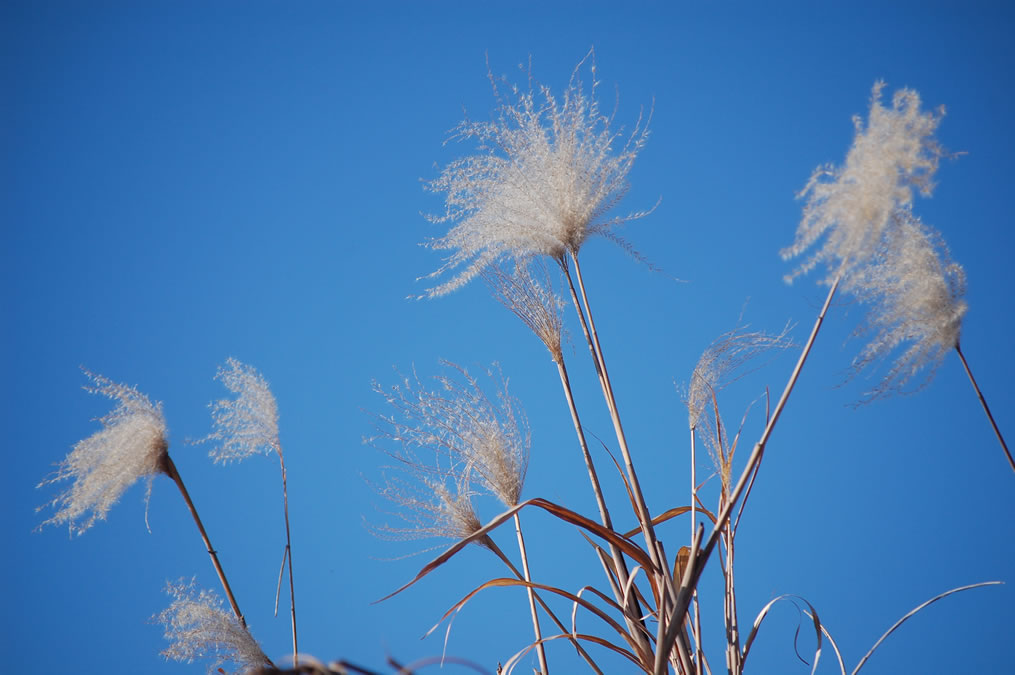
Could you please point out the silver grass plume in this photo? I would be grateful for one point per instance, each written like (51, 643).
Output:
(546, 173)
(131, 445)
(433, 503)
(248, 424)
(914, 292)
(198, 627)
(473, 441)
(525, 289)
(729, 358)
(434, 495)
(490, 435)
(851, 206)
(725, 361)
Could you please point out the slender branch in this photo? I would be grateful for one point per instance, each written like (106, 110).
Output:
(633, 608)
(694, 521)
(733, 657)
(588, 327)
(604, 512)
(289, 555)
(171, 471)
(540, 651)
(986, 409)
(754, 476)
(734, 661)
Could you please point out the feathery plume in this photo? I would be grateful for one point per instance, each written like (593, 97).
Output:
(915, 295)
(852, 205)
(435, 496)
(486, 442)
(198, 627)
(434, 503)
(724, 362)
(547, 172)
(247, 424)
(531, 299)
(131, 445)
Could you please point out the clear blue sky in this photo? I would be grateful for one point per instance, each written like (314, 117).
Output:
(183, 182)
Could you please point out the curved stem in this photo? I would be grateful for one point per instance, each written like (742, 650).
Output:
(171, 471)
(289, 555)
(986, 409)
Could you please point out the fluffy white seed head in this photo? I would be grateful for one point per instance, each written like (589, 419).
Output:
(547, 172)
(915, 293)
(247, 424)
(851, 206)
(131, 445)
(481, 440)
(198, 627)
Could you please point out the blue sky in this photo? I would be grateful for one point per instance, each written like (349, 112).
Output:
(183, 183)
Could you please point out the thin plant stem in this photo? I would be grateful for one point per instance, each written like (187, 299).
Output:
(986, 408)
(289, 556)
(492, 547)
(540, 651)
(604, 513)
(588, 327)
(754, 476)
(694, 486)
(694, 520)
(698, 654)
(734, 661)
(733, 657)
(699, 559)
(170, 470)
(634, 608)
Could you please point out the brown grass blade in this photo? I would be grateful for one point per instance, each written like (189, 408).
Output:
(812, 614)
(626, 545)
(672, 513)
(831, 641)
(680, 562)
